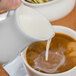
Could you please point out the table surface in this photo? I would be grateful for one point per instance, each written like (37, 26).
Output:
(68, 21)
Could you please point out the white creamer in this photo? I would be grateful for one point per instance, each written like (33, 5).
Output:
(21, 28)
(34, 25)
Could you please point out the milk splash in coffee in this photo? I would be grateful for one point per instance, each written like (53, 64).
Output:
(49, 61)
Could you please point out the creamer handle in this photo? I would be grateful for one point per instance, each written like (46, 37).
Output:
(10, 13)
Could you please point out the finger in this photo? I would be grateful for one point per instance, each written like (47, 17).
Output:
(16, 4)
(9, 4)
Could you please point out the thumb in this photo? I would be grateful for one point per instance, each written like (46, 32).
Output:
(9, 4)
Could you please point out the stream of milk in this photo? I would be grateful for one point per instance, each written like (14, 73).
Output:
(36, 26)
(47, 48)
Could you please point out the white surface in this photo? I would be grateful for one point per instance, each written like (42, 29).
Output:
(16, 68)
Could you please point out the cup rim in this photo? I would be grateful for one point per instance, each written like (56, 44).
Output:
(37, 5)
(26, 63)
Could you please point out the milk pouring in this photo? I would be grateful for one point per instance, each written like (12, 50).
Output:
(21, 28)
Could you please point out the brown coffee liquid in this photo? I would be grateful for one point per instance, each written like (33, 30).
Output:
(62, 55)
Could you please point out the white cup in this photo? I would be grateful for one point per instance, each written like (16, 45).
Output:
(32, 72)
(53, 10)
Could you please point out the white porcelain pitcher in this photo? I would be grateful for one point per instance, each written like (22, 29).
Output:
(13, 39)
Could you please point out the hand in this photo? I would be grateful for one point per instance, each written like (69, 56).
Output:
(9, 4)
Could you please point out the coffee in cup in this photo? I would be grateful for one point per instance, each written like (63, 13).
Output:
(60, 58)
(62, 53)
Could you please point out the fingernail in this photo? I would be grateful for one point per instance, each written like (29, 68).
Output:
(16, 2)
